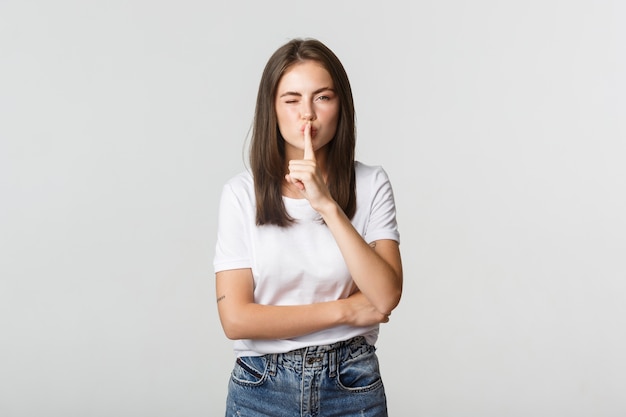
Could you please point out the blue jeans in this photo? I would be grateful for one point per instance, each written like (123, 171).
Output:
(341, 380)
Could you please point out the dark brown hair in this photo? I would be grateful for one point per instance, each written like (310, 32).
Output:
(267, 148)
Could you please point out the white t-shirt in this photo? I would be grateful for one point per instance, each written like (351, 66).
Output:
(299, 264)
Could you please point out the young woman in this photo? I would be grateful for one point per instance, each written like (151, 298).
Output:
(307, 260)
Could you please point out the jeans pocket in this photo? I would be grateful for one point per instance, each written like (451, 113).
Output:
(250, 370)
(360, 373)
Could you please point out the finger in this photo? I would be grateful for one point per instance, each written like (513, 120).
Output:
(295, 182)
(309, 153)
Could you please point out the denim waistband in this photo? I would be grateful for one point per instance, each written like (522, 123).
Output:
(320, 356)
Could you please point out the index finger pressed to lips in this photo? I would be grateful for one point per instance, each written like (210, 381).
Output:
(309, 153)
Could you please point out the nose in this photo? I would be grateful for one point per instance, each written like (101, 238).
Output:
(307, 112)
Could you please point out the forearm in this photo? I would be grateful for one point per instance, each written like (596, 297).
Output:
(257, 321)
(379, 280)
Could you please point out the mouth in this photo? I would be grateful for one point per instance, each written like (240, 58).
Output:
(313, 131)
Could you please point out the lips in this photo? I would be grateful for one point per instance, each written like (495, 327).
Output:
(313, 130)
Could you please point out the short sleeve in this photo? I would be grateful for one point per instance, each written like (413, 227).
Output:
(382, 222)
(232, 249)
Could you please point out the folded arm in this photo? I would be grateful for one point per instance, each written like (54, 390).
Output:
(376, 269)
(242, 318)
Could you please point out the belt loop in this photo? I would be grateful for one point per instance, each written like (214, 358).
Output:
(332, 363)
(273, 364)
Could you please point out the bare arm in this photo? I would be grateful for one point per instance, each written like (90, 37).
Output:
(242, 318)
(377, 271)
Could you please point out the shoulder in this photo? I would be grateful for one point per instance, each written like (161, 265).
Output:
(240, 186)
(240, 180)
(369, 175)
(372, 184)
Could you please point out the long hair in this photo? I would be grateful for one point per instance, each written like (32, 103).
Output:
(267, 148)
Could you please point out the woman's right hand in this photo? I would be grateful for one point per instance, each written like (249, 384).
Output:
(361, 312)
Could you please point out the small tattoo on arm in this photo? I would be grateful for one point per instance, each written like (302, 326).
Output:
(220, 298)
(373, 245)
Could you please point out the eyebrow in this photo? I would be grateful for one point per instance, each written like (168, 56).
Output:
(295, 93)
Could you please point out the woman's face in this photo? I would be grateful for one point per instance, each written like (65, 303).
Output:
(306, 93)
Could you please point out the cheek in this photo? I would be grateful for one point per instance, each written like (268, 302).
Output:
(330, 114)
(281, 119)
(286, 116)
(286, 125)
(331, 119)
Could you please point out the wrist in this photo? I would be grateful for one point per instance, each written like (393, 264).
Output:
(328, 210)
(342, 313)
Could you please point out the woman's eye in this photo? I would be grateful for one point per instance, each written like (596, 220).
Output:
(323, 98)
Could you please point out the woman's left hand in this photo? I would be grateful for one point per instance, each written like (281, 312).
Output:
(307, 177)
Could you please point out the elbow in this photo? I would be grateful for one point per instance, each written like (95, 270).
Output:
(392, 294)
(235, 333)
(238, 321)
(233, 330)
(231, 334)
(388, 304)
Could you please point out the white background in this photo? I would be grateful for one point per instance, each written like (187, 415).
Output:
(501, 125)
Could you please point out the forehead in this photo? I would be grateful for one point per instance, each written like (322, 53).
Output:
(305, 75)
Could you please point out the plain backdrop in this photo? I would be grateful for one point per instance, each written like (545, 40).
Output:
(500, 123)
